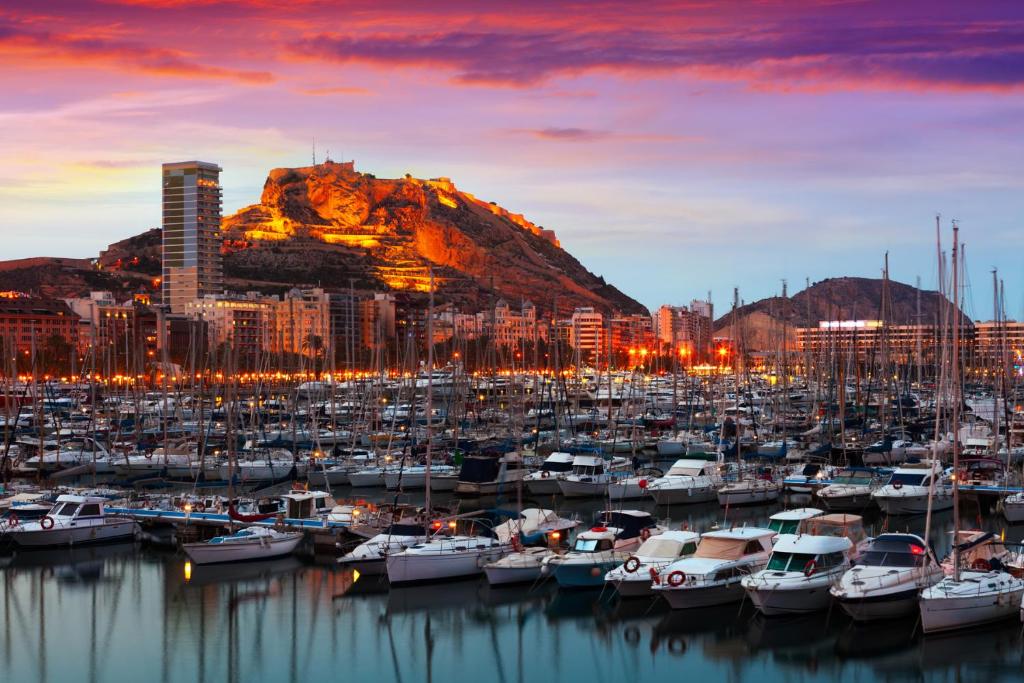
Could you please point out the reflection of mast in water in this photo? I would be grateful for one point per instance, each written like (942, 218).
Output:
(42, 627)
(92, 636)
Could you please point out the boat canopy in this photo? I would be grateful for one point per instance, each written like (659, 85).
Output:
(839, 525)
(725, 548)
(631, 522)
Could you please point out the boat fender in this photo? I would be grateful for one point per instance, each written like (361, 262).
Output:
(897, 485)
(655, 577)
(46, 522)
(676, 578)
(645, 534)
(632, 565)
(810, 568)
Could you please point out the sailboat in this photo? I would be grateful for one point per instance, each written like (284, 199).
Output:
(977, 595)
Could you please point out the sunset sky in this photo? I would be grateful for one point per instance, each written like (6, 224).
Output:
(675, 147)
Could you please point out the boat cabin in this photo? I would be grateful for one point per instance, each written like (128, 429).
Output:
(895, 550)
(915, 474)
(305, 504)
(692, 467)
(808, 554)
(669, 545)
(78, 508)
(557, 462)
(587, 465)
(855, 476)
(734, 544)
(792, 521)
(628, 523)
(850, 527)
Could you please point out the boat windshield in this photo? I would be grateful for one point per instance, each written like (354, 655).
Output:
(591, 545)
(894, 554)
(789, 562)
(66, 510)
(907, 478)
(784, 526)
(855, 478)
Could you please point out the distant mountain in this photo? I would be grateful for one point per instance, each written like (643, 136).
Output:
(841, 298)
(331, 226)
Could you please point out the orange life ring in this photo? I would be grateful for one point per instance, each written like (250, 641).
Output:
(632, 564)
(810, 568)
(676, 578)
(46, 523)
(645, 534)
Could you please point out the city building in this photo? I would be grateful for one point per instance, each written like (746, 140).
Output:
(28, 324)
(586, 334)
(685, 327)
(191, 241)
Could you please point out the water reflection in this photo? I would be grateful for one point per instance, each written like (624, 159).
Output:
(129, 613)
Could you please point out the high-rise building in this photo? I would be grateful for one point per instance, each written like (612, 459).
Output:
(192, 265)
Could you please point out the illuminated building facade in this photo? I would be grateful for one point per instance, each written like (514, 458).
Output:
(192, 262)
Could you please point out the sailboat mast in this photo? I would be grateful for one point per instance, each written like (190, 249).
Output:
(955, 387)
(430, 396)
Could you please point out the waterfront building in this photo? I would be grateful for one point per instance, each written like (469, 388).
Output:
(191, 240)
(27, 323)
(685, 327)
(586, 334)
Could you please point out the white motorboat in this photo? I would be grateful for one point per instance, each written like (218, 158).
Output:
(73, 520)
(414, 477)
(522, 566)
(687, 481)
(1013, 508)
(749, 491)
(885, 581)
(907, 490)
(712, 575)
(633, 577)
(808, 477)
(274, 467)
(792, 521)
(368, 477)
(589, 477)
(544, 482)
(971, 599)
(444, 558)
(482, 475)
(850, 490)
(252, 543)
(370, 556)
(628, 488)
(601, 548)
(799, 574)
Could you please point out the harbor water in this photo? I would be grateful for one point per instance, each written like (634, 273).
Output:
(132, 613)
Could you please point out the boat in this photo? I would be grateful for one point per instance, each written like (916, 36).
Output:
(601, 548)
(908, 488)
(1013, 507)
(749, 491)
(687, 481)
(251, 543)
(792, 521)
(809, 478)
(73, 520)
(444, 558)
(885, 581)
(799, 574)
(589, 478)
(634, 576)
(522, 566)
(544, 482)
(415, 477)
(850, 490)
(711, 576)
(485, 475)
(370, 556)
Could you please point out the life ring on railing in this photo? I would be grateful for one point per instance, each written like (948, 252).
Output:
(645, 534)
(12, 520)
(981, 564)
(147, 456)
(676, 578)
(46, 523)
(810, 568)
(545, 474)
(632, 564)
(897, 485)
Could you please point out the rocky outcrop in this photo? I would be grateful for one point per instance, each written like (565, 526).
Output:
(329, 224)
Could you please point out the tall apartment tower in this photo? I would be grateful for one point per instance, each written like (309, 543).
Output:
(192, 263)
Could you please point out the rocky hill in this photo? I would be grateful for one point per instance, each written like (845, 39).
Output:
(842, 298)
(331, 226)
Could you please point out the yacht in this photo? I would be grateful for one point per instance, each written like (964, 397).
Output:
(525, 565)
(749, 490)
(444, 558)
(792, 521)
(484, 475)
(544, 482)
(589, 478)
(633, 577)
(970, 597)
(608, 544)
(851, 489)
(687, 481)
(73, 520)
(711, 576)
(799, 574)
(414, 477)
(885, 581)
(251, 543)
(370, 556)
(907, 490)
(808, 478)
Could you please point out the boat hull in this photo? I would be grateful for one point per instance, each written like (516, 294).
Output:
(706, 596)
(894, 605)
(261, 549)
(110, 531)
(951, 613)
(413, 568)
(682, 495)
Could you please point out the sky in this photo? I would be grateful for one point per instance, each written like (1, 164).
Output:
(676, 148)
